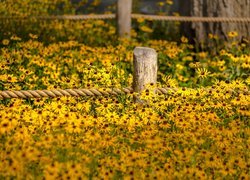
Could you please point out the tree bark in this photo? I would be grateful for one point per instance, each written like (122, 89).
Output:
(215, 8)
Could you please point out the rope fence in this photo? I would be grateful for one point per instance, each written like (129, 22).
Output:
(145, 72)
(137, 16)
(93, 92)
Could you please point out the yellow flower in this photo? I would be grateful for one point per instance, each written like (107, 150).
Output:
(96, 2)
(195, 65)
(160, 4)
(248, 81)
(58, 107)
(212, 36)
(187, 58)
(202, 73)
(179, 67)
(146, 29)
(202, 55)
(15, 38)
(184, 39)
(232, 34)
(176, 14)
(9, 78)
(5, 42)
(33, 36)
(133, 33)
(169, 2)
(140, 20)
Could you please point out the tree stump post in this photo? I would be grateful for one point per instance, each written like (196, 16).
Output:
(124, 10)
(145, 69)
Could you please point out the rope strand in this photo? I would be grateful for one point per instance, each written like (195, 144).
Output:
(136, 16)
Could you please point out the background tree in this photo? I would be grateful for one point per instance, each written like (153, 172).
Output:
(215, 8)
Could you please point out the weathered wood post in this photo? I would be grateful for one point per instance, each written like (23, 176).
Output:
(145, 68)
(124, 9)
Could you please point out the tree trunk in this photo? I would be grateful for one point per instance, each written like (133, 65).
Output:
(215, 8)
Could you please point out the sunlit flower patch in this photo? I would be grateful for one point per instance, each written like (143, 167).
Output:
(199, 130)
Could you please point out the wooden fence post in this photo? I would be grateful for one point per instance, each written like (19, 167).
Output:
(145, 68)
(124, 10)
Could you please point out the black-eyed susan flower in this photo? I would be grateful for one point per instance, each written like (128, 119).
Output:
(5, 42)
(184, 39)
(146, 29)
(232, 34)
(169, 2)
(58, 107)
(202, 73)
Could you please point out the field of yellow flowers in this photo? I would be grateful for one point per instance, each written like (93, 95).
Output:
(200, 131)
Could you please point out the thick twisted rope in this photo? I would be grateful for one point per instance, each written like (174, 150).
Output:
(60, 92)
(193, 19)
(136, 16)
(87, 92)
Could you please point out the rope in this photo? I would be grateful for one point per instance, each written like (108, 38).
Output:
(64, 17)
(136, 16)
(86, 92)
(60, 92)
(193, 19)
